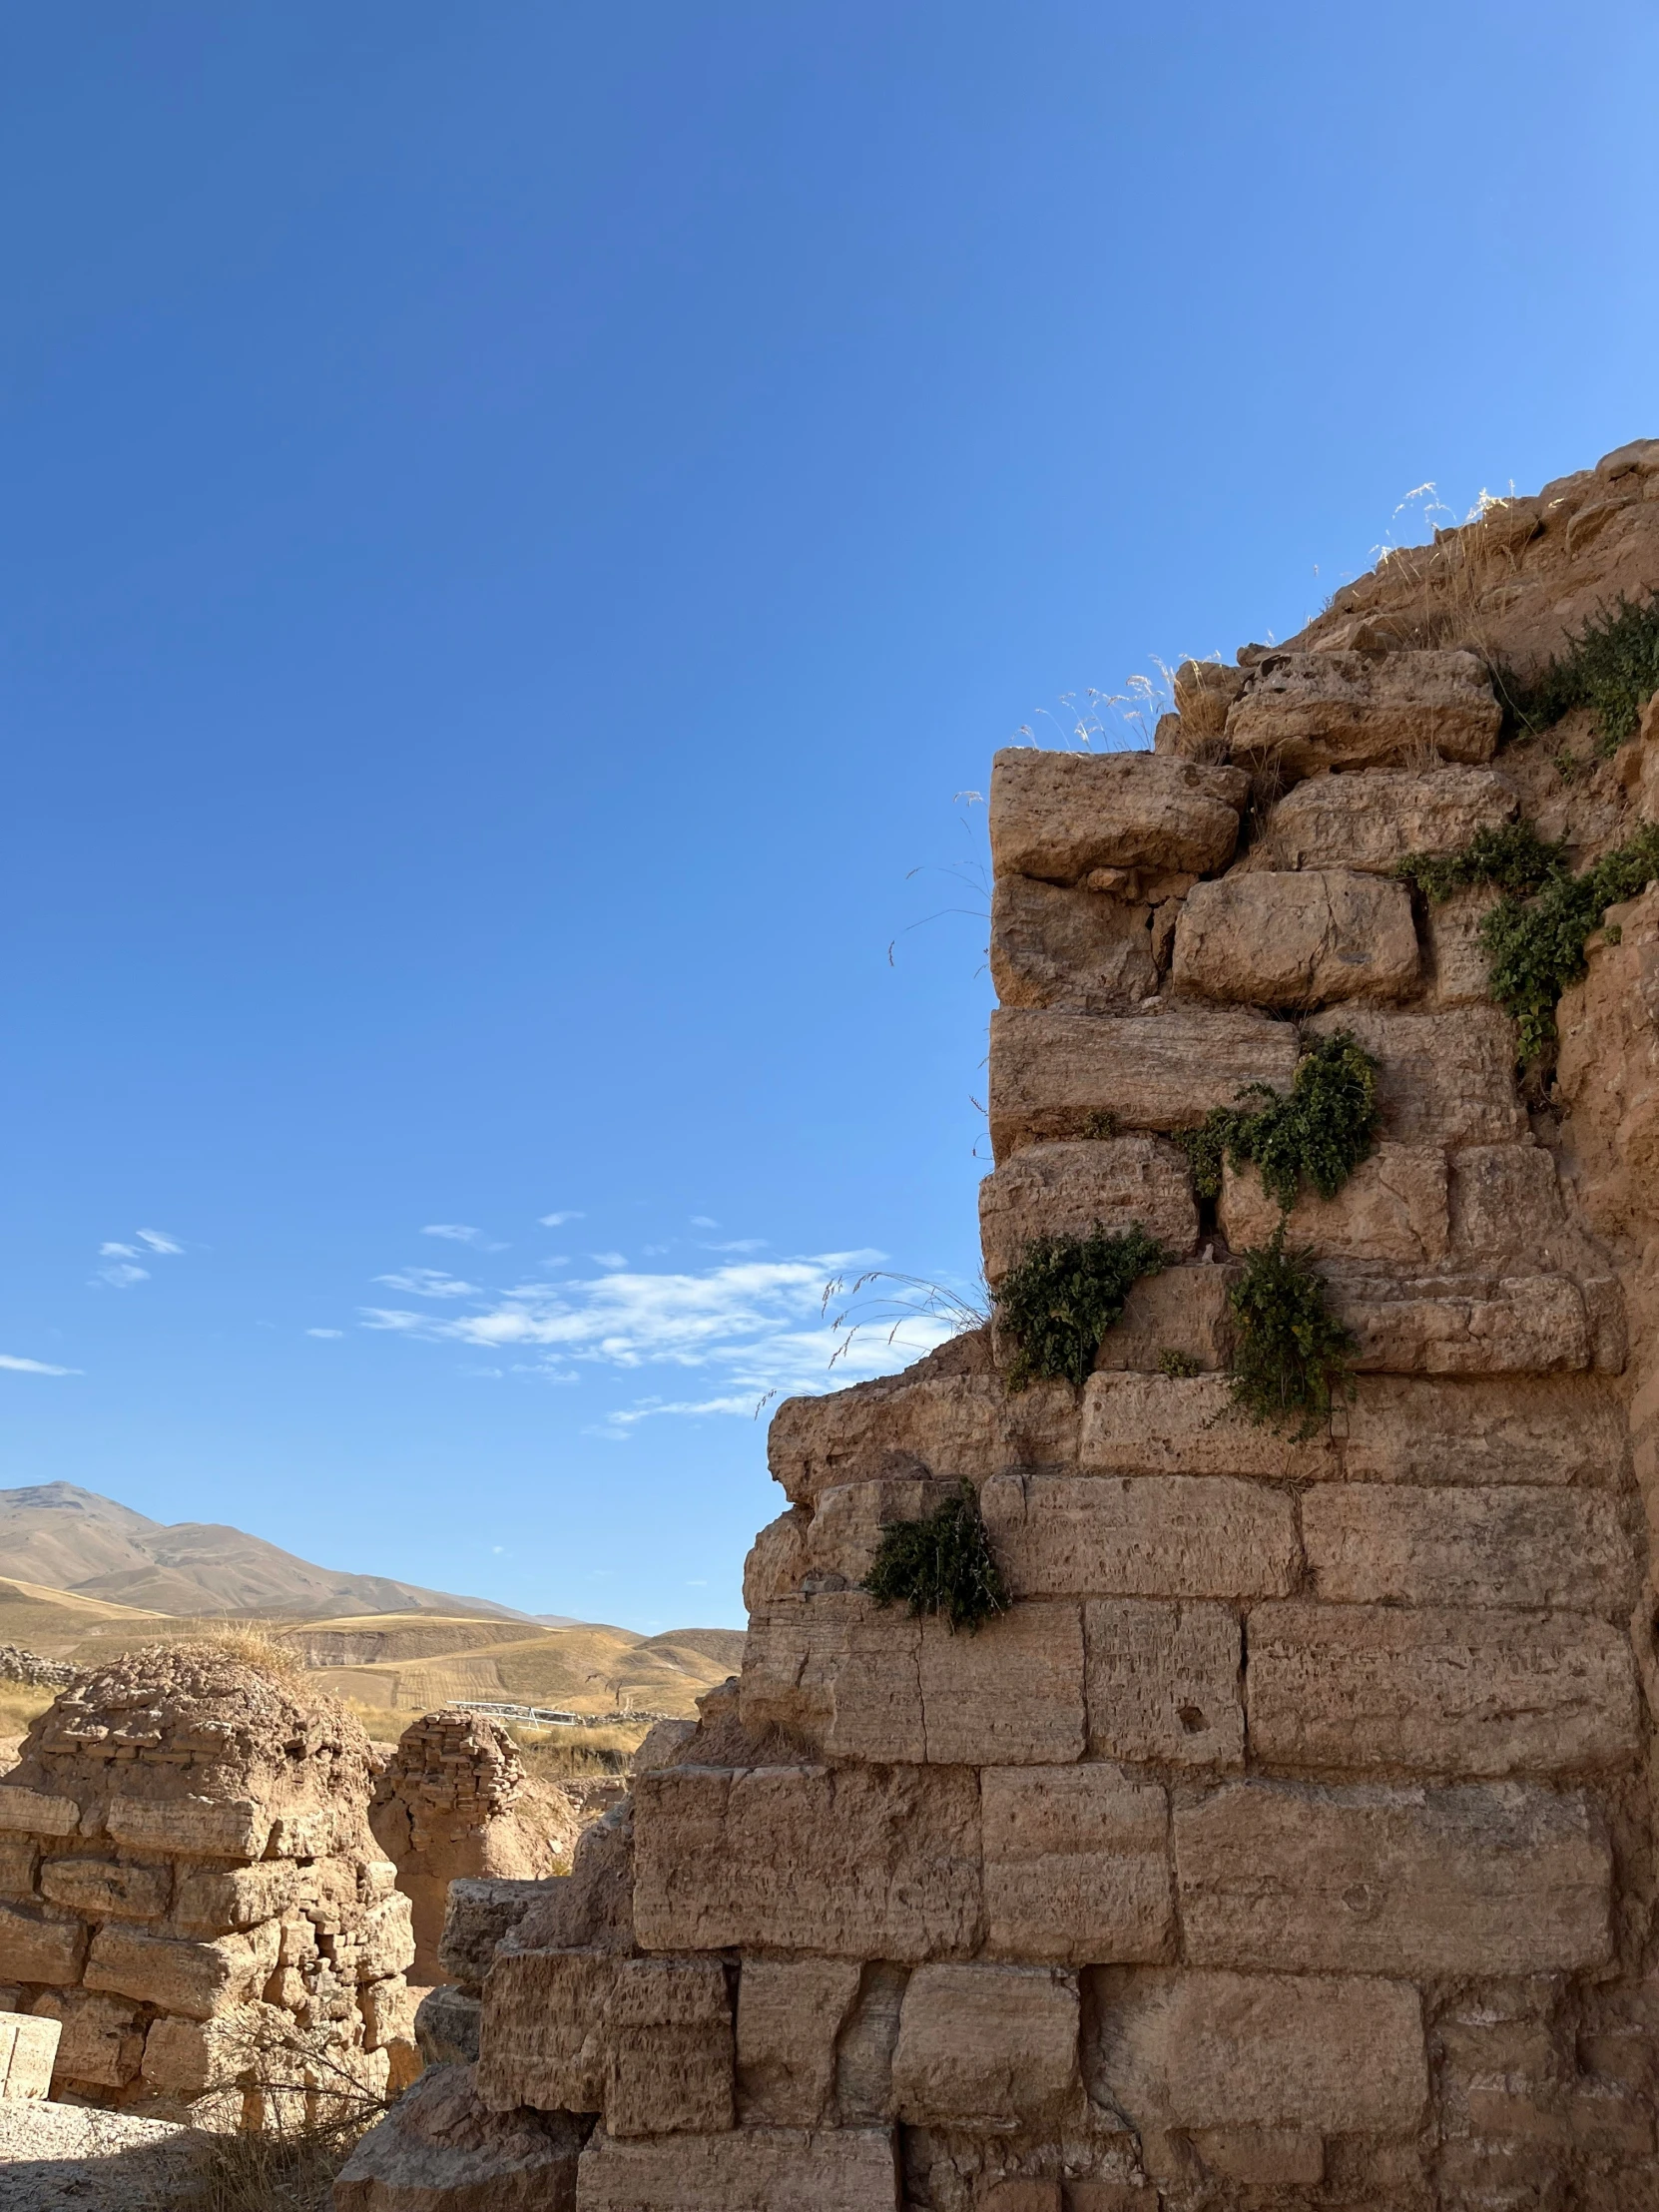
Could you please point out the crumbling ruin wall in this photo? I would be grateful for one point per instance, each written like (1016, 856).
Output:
(1290, 1841)
(188, 1883)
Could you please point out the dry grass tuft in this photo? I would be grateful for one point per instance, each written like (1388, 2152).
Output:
(577, 1754)
(264, 2173)
(20, 1703)
(255, 1644)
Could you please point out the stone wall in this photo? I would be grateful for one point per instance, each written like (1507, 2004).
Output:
(189, 1885)
(1290, 1842)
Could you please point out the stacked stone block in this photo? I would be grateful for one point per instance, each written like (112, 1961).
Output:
(188, 1885)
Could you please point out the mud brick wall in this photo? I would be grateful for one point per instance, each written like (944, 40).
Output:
(1291, 1841)
(188, 1883)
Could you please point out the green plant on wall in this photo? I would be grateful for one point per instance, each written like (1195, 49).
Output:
(1611, 667)
(1513, 858)
(1317, 1134)
(941, 1563)
(1291, 1355)
(1062, 1294)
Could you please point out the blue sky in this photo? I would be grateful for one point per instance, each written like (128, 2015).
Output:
(520, 523)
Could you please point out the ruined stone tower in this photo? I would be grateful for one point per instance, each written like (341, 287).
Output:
(1289, 1840)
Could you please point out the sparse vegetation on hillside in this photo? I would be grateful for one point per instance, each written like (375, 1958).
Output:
(1317, 1135)
(941, 1563)
(1061, 1297)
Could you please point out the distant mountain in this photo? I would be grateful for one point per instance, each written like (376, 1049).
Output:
(73, 1539)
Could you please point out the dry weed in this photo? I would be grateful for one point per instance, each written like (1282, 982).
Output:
(293, 2172)
(577, 1754)
(255, 1644)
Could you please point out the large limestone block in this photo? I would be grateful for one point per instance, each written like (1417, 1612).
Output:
(1505, 1879)
(1296, 940)
(1524, 1429)
(440, 2150)
(1165, 1683)
(761, 2169)
(1501, 1545)
(40, 1946)
(1395, 1208)
(847, 1861)
(1182, 1309)
(108, 1889)
(1059, 815)
(1438, 1691)
(1078, 948)
(1445, 1078)
(28, 2052)
(1052, 1075)
(1145, 1535)
(446, 2026)
(36, 1811)
(195, 1980)
(541, 2037)
(1072, 1190)
(1304, 712)
(1456, 962)
(668, 2048)
(482, 1911)
(949, 1416)
(986, 2046)
(102, 2046)
(1170, 1424)
(190, 1827)
(1374, 819)
(214, 1898)
(1012, 1692)
(844, 1532)
(1196, 2050)
(186, 2059)
(1076, 1865)
(1464, 1324)
(1504, 1197)
(790, 2013)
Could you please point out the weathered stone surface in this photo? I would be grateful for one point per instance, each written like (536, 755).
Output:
(668, 2048)
(1053, 1074)
(1554, 1428)
(1142, 1535)
(853, 2169)
(1072, 1190)
(541, 2037)
(777, 1560)
(440, 2150)
(1304, 712)
(1296, 940)
(950, 1414)
(1446, 1078)
(483, 1911)
(1435, 1691)
(1079, 948)
(446, 2026)
(841, 1538)
(788, 2017)
(850, 1862)
(1500, 1544)
(102, 2044)
(1076, 1865)
(108, 1889)
(1393, 1208)
(1200, 2050)
(28, 2048)
(1182, 1309)
(1493, 1880)
(1455, 963)
(1165, 1683)
(986, 2046)
(1504, 1197)
(1374, 819)
(40, 1946)
(185, 2059)
(855, 1680)
(1267, 2157)
(1204, 689)
(234, 1897)
(36, 1811)
(1464, 1324)
(1169, 1424)
(195, 1980)
(1059, 815)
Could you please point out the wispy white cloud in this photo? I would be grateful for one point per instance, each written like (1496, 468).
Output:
(15, 1365)
(118, 1252)
(741, 1243)
(122, 1274)
(460, 1232)
(557, 1220)
(325, 1331)
(609, 1258)
(703, 1221)
(428, 1283)
(158, 1241)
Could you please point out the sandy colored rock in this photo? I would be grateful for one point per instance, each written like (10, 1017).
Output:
(851, 2169)
(446, 2026)
(1456, 966)
(28, 2052)
(1169, 1424)
(1266, 2157)
(440, 2150)
(790, 2013)
(850, 1862)
(986, 2046)
(668, 2048)
(102, 2039)
(1204, 2049)
(1371, 821)
(1523, 1428)
(1058, 816)
(1505, 1198)
(1051, 946)
(1501, 1878)
(1182, 1309)
(35, 1811)
(1164, 1683)
(1298, 940)
(1053, 1074)
(1072, 1190)
(541, 2035)
(1436, 1691)
(1304, 712)
(482, 1911)
(1463, 1324)
(40, 1945)
(193, 1980)
(844, 1532)
(1204, 689)
(1076, 1865)
(1393, 1208)
(1142, 1535)
(108, 1889)
(1501, 1545)
(209, 1897)
(1445, 1078)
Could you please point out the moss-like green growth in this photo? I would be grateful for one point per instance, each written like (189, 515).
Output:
(1061, 1297)
(1513, 858)
(942, 1564)
(1180, 1365)
(1536, 946)
(1318, 1135)
(1291, 1355)
(1611, 667)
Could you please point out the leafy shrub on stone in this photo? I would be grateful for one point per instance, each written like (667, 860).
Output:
(1061, 1297)
(1318, 1134)
(1513, 858)
(1291, 1355)
(942, 1564)
(1611, 667)
(1535, 947)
